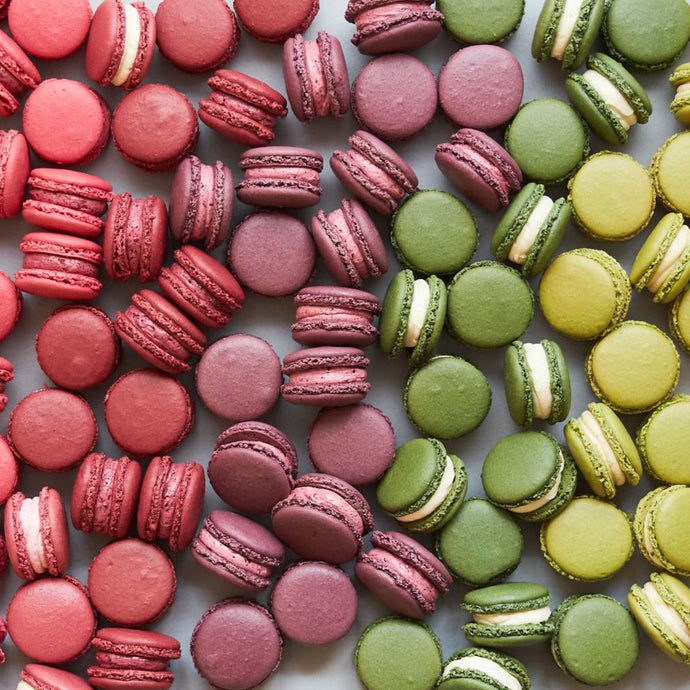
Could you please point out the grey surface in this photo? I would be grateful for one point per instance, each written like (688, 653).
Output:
(331, 667)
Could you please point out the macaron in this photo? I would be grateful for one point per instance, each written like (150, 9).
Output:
(424, 487)
(373, 172)
(37, 535)
(40, 677)
(280, 177)
(513, 614)
(412, 317)
(537, 382)
(19, 75)
(159, 332)
(105, 495)
(679, 105)
(253, 466)
(10, 472)
(10, 305)
(388, 26)
(402, 574)
(584, 293)
(170, 502)
(316, 78)
(679, 320)
(241, 108)
(662, 608)
(121, 43)
(270, 21)
(14, 171)
(126, 655)
(634, 368)
(531, 230)
(566, 31)
(590, 540)
(446, 397)
(668, 168)
(349, 244)
(135, 238)
(201, 202)
(480, 168)
(323, 519)
(484, 669)
(237, 549)
(6, 375)
(433, 232)
(603, 450)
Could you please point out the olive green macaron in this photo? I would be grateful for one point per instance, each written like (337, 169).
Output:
(680, 105)
(670, 168)
(679, 320)
(481, 21)
(476, 668)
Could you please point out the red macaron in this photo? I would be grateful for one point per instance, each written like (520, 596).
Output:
(14, 171)
(10, 471)
(6, 375)
(10, 305)
(49, 678)
(17, 75)
(274, 21)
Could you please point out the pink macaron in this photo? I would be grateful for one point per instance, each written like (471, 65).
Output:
(17, 75)
(6, 375)
(10, 471)
(10, 305)
(40, 677)
(274, 21)
(14, 171)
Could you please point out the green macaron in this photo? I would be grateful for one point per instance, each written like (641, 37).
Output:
(663, 263)
(590, 540)
(475, 668)
(537, 382)
(603, 450)
(412, 316)
(531, 230)
(680, 106)
(424, 487)
(513, 614)
(530, 475)
(433, 232)
(568, 39)
(609, 98)
(679, 320)
(595, 640)
(481, 545)
(662, 607)
(395, 652)
(670, 168)
(481, 21)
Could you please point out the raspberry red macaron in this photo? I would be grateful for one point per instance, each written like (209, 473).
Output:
(14, 171)
(135, 238)
(36, 533)
(273, 21)
(60, 266)
(159, 332)
(17, 75)
(121, 43)
(6, 375)
(238, 549)
(105, 495)
(10, 305)
(323, 518)
(40, 677)
(10, 472)
(170, 503)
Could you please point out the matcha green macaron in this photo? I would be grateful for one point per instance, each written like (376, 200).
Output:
(603, 450)
(537, 382)
(481, 21)
(513, 614)
(680, 105)
(475, 668)
(412, 316)
(531, 230)
(670, 168)
(424, 487)
(679, 320)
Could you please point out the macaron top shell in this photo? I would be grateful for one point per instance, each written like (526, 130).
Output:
(16, 162)
(10, 305)
(271, 21)
(49, 678)
(481, 21)
(9, 471)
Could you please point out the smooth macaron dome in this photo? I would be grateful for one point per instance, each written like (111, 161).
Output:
(679, 79)
(424, 487)
(512, 614)
(603, 450)
(264, 22)
(36, 676)
(15, 152)
(679, 320)
(483, 669)
(530, 475)
(669, 168)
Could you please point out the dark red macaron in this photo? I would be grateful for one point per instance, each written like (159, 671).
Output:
(274, 21)
(136, 237)
(253, 466)
(238, 549)
(10, 305)
(105, 495)
(6, 375)
(50, 678)
(14, 171)
(159, 332)
(323, 518)
(170, 503)
(17, 75)
(10, 471)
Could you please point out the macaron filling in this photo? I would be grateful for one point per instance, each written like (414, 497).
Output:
(317, 80)
(421, 301)
(293, 174)
(530, 231)
(131, 46)
(595, 435)
(406, 572)
(221, 550)
(130, 661)
(549, 496)
(667, 614)
(23, 685)
(170, 499)
(104, 499)
(155, 333)
(30, 520)
(206, 210)
(438, 497)
(488, 667)
(331, 501)
(614, 99)
(385, 14)
(540, 377)
(338, 219)
(527, 617)
(333, 313)
(377, 176)
(672, 258)
(64, 264)
(320, 376)
(566, 27)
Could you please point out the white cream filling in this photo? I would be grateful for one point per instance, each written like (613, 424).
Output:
(23, 685)
(613, 98)
(648, 543)
(30, 519)
(438, 497)
(683, 89)
(540, 502)
(680, 244)
(571, 13)
(540, 375)
(421, 299)
(485, 666)
(595, 435)
(528, 235)
(129, 54)
(514, 617)
(667, 614)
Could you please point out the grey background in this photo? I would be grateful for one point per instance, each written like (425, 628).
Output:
(331, 667)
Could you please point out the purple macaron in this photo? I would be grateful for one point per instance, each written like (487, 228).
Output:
(374, 172)
(253, 467)
(280, 177)
(238, 549)
(402, 574)
(316, 77)
(323, 519)
(480, 168)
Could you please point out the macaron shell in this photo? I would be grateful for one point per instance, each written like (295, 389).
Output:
(433, 325)
(668, 515)
(548, 240)
(395, 313)
(14, 172)
(271, 22)
(39, 676)
(9, 471)
(481, 21)
(507, 636)
(585, 33)
(412, 30)
(668, 166)
(10, 305)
